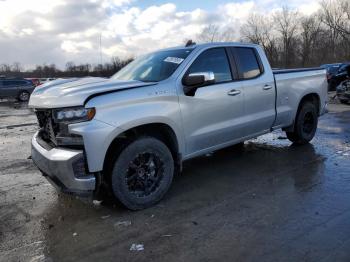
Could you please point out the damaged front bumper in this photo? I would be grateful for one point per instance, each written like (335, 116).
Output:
(64, 168)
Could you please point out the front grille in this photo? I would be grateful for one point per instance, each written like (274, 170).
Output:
(48, 129)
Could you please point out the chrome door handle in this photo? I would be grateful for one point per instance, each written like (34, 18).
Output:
(234, 92)
(267, 87)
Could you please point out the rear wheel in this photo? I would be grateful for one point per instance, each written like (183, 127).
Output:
(142, 173)
(305, 124)
(23, 96)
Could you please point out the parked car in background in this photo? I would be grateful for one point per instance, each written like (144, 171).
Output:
(331, 69)
(343, 91)
(16, 88)
(133, 131)
(342, 74)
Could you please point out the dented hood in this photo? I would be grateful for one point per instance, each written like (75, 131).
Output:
(75, 91)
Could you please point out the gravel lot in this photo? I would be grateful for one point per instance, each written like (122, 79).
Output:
(270, 201)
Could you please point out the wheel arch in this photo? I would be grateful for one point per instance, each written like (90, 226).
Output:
(161, 131)
(310, 97)
(313, 98)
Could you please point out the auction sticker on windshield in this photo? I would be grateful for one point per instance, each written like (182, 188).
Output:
(175, 60)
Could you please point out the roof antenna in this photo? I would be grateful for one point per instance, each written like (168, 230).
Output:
(190, 43)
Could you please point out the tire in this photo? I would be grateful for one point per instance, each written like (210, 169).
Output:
(23, 96)
(142, 173)
(305, 124)
(343, 101)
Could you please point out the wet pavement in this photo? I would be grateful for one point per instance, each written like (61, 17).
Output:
(270, 201)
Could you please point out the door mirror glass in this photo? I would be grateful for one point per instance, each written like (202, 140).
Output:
(195, 80)
(199, 79)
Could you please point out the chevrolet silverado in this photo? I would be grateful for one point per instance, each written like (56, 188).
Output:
(133, 131)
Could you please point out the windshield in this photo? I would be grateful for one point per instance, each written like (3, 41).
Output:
(153, 67)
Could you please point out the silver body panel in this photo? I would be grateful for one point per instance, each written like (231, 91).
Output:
(209, 120)
(57, 165)
(292, 87)
(74, 92)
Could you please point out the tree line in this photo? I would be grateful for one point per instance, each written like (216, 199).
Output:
(71, 69)
(289, 38)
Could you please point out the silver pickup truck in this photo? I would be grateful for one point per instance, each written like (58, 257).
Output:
(130, 133)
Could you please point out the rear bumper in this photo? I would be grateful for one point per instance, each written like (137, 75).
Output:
(63, 168)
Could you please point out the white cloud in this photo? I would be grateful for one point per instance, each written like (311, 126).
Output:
(62, 30)
(27, 31)
(44, 24)
(238, 10)
(309, 8)
(75, 47)
(154, 15)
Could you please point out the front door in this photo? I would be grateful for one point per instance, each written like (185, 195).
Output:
(213, 115)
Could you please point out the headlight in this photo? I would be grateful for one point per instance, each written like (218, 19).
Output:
(74, 114)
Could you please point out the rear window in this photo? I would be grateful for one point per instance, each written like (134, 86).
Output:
(247, 62)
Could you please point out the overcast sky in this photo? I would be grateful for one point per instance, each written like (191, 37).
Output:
(56, 31)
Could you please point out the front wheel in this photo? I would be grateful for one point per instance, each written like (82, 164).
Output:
(305, 124)
(23, 96)
(142, 173)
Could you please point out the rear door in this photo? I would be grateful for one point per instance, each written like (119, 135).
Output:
(213, 115)
(259, 90)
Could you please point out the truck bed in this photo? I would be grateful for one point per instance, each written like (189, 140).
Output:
(291, 84)
(295, 70)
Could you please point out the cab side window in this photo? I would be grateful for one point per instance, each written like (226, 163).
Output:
(247, 62)
(213, 60)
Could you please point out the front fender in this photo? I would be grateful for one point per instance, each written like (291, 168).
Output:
(132, 108)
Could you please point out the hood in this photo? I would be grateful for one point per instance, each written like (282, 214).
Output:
(75, 91)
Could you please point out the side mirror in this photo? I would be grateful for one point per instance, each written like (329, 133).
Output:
(195, 80)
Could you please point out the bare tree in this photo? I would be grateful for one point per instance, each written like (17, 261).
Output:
(5, 68)
(287, 24)
(310, 37)
(336, 15)
(228, 34)
(210, 33)
(260, 30)
(16, 67)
